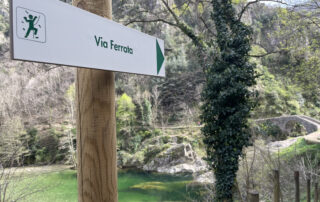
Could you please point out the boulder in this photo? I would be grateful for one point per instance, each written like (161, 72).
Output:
(179, 158)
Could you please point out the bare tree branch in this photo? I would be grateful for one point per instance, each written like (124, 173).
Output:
(207, 26)
(184, 28)
(153, 20)
(245, 8)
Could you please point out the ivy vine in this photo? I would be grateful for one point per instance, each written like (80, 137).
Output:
(227, 99)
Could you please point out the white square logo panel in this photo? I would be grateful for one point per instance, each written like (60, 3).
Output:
(31, 25)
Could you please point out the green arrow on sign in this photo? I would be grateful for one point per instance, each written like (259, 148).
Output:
(160, 58)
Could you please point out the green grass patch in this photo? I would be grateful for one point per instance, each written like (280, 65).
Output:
(59, 186)
(301, 149)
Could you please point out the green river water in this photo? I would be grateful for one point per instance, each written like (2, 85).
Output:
(142, 186)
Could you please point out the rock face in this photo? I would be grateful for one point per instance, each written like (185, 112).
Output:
(179, 158)
(169, 153)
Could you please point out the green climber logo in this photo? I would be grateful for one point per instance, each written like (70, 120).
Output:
(31, 25)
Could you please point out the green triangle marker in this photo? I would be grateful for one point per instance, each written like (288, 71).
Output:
(160, 58)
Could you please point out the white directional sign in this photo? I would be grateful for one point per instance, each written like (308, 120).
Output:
(51, 31)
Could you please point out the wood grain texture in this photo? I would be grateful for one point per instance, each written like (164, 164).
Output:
(96, 125)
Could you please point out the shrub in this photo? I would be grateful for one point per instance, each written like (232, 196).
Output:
(125, 113)
(268, 129)
(147, 113)
(47, 149)
(295, 129)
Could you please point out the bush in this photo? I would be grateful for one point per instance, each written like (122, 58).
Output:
(156, 132)
(268, 129)
(47, 149)
(164, 139)
(125, 113)
(147, 113)
(295, 129)
(30, 144)
(43, 148)
(145, 134)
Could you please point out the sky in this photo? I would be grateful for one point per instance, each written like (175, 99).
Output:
(290, 2)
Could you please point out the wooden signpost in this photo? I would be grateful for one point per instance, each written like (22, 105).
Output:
(96, 126)
(51, 31)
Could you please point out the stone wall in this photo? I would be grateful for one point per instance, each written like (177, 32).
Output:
(310, 124)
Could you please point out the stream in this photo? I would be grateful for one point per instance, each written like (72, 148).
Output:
(138, 186)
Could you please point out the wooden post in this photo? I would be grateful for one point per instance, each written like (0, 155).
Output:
(316, 192)
(253, 196)
(96, 125)
(308, 188)
(276, 191)
(297, 186)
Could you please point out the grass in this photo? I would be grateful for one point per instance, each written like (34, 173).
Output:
(301, 149)
(53, 187)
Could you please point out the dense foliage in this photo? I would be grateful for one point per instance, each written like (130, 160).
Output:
(227, 100)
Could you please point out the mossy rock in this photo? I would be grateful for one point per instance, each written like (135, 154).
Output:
(128, 160)
(150, 185)
(153, 151)
(161, 186)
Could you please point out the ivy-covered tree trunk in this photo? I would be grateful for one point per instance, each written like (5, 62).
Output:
(227, 100)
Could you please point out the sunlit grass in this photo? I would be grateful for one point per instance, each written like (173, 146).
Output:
(301, 149)
(53, 187)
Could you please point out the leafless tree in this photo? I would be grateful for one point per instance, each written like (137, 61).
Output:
(310, 167)
(156, 103)
(15, 184)
(70, 96)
